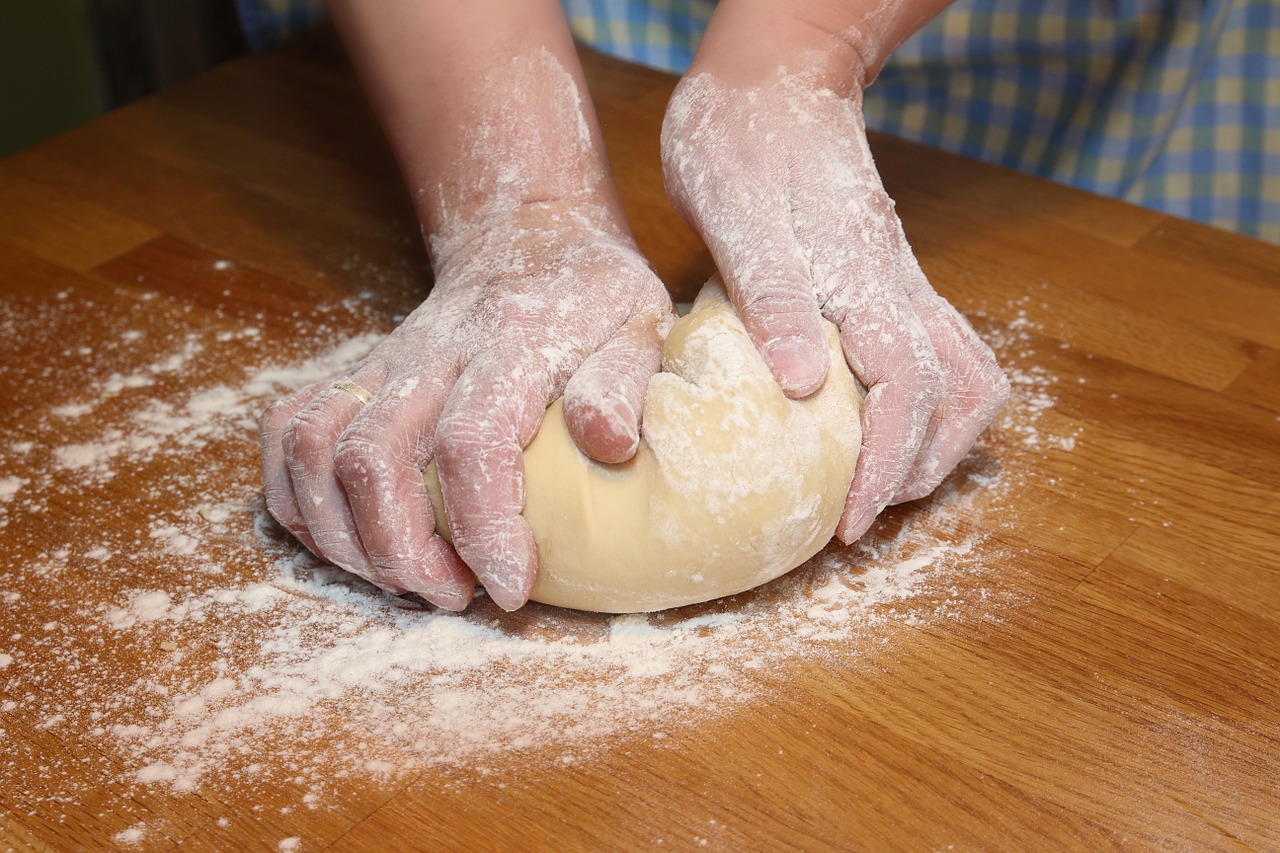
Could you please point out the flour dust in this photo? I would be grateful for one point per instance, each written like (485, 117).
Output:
(172, 627)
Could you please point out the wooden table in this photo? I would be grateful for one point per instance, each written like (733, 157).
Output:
(1081, 653)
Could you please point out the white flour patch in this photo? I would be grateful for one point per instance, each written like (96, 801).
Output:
(72, 410)
(9, 486)
(195, 646)
(132, 835)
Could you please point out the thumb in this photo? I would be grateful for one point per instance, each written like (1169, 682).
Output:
(771, 290)
(604, 399)
(714, 175)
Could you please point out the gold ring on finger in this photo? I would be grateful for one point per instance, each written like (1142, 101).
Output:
(359, 392)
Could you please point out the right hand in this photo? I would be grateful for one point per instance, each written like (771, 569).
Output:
(535, 303)
(778, 179)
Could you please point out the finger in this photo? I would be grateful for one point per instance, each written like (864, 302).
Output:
(492, 413)
(889, 351)
(604, 399)
(276, 484)
(309, 442)
(379, 460)
(783, 321)
(976, 391)
(752, 238)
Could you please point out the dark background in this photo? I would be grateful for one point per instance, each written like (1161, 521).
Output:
(63, 62)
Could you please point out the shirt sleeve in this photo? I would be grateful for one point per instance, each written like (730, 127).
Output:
(269, 22)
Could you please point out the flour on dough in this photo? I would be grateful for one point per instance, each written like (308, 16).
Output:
(733, 484)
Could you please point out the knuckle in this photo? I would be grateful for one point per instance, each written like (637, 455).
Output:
(472, 433)
(784, 312)
(989, 381)
(395, 569)
(273, 419)
(776, 299)
(286, 514)
(983, 385)
(991, 395)
(455, 442)
(487, 541)
(359, 455)
(1000, 386)
(608, 374)
(929, 378)
(410, 568)
(281, 505)
(312, 431)
(339, 545)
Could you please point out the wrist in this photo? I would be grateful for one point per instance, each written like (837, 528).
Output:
(510, 227)
(836, 44)
(748, 44)
(529, 145)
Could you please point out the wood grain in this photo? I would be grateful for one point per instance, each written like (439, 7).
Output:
(1110, 680)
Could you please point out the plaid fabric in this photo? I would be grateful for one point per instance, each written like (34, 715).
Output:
(269, 22)
(658, 33)
(1172, 104)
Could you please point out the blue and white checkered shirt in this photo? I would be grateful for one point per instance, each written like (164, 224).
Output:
(1172, 104)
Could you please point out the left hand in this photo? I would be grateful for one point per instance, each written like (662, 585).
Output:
(548, 300)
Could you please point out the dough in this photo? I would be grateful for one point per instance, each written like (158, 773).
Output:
(733, 484)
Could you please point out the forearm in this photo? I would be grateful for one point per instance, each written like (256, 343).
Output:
(484, 105)
(843, 42)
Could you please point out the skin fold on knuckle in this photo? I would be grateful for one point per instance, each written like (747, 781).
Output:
(490, 547)
(779, 308)
(429, 567)
(281, 505)
(466, 438)
(366, 453)
(411, 570)
(889, 452)
(620, 371)
(777, 312)
(978, 387)
(340, 547)
(885, 477)
(928, 381)
(481, 478)
(311, 435)
(272, 422)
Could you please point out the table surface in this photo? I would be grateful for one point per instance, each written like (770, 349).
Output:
(1073, 645)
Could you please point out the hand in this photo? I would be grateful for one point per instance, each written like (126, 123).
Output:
(777, 177)
(540, 301)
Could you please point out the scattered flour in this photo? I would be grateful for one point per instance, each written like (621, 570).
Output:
(72, 410)
(9, 486)
(177, 630)
(132, 835)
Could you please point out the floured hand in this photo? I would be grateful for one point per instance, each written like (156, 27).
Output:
(539, 303)
(777, 177)
(539, 292)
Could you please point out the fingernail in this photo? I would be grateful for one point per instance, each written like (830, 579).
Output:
(450, 599)
(504, 558)
(508, 597)
(852, 531)
(798, 367)
(624, 418)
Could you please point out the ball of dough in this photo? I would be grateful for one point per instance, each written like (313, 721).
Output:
(732, 486)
